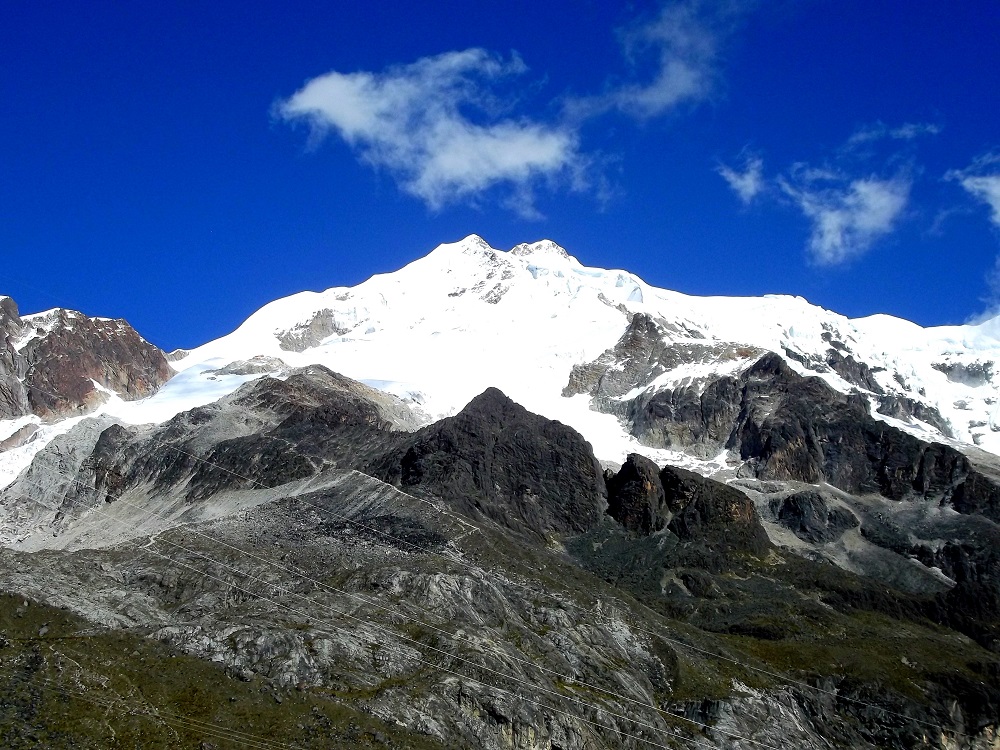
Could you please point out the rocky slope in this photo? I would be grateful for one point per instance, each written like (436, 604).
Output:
(493, 589)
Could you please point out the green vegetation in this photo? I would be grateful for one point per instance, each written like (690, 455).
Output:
(64, 684)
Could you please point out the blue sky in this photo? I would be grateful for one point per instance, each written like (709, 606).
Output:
(181, 164)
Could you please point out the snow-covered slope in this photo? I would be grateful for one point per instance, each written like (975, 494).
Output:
(445, 327)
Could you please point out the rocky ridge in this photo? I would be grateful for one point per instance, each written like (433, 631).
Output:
(493, 589)
(61, 363)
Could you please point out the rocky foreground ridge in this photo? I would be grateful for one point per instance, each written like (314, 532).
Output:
(481, 582)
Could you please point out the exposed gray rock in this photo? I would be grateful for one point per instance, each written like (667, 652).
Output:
(641, 355)
(485, 597)
(258, 365)
(19, 437)
(312, 332)
(905, 408)
(177, 354)
(13, 397)
(46, 497)
(974, 374)
(854, 372)
(809, 517)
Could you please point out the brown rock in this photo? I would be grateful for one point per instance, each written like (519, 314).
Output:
(75, 352)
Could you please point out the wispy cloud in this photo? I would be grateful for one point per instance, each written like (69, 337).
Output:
(981, 179)
(852, 199)
(685, 48)
(848, 215)
(680, 46)
(747, 183)
(414, 121)
(990, 300)
(879, 131)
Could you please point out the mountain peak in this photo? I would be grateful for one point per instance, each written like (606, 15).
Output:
(471, 245)
(542, 247)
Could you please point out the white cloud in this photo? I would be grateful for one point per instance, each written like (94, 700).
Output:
(848, 216)
(908, 131)
(415, 121)
(681, 46)
(991, 299)
(747, 184)
(685, 48)
(982, 180)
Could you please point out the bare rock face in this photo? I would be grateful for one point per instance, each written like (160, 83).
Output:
(19, 437)
(640, 356)
(73, 352)
(902, 407)
(496, 459)
(323, 324)
(55, 364)
(854, 372)
(13, 398)
(790, 427)
(809, 517)
(245, 533)
(712, 519)
(636, 498)
(712, 514)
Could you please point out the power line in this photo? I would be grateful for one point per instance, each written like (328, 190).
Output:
(571, 604)
(456, 558)
(419, 644)
(186, 722)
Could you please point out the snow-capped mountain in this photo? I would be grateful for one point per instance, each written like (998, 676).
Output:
(358, 482)
(532, 321)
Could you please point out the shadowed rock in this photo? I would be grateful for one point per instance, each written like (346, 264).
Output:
(810, 518)
(790, 427)
(712, 514)
(13, 397)
(635, 496)
(495, 459)
(698, 511)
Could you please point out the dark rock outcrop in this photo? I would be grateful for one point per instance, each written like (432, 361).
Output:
(810, 518)
(904, 408)
(857, 373)
(790, 427)
(689, 416)
(846, 366)
(699, 511)
(711, 514)
(497, 460)
(636, 498)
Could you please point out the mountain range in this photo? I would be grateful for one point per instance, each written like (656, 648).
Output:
(501, 499)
